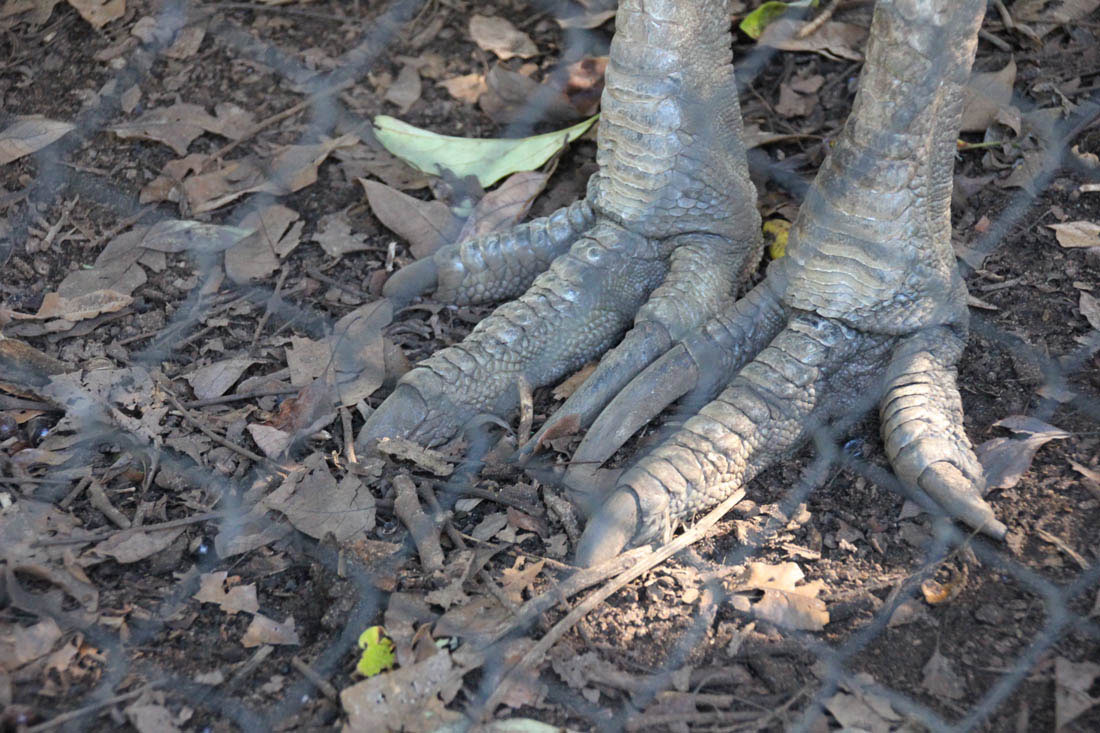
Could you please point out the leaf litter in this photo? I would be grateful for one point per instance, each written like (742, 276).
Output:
(133, 262)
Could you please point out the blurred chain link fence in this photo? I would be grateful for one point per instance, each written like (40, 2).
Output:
(55, 180)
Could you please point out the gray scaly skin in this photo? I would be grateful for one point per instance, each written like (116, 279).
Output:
(873, 303)
(668, 228)
(867, 302)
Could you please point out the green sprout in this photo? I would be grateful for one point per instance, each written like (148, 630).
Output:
(377, 652)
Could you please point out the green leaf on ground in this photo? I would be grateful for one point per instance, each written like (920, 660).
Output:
(489, 159)
(377, 652)
(755, 22)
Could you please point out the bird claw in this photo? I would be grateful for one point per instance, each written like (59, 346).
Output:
(611, 530)
(411, 281)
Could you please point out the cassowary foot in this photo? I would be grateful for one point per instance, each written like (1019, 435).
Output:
(666, 232)
(867, 307)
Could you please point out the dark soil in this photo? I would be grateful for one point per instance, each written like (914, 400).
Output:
(658, 653)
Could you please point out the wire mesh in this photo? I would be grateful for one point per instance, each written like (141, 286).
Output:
(233, 494)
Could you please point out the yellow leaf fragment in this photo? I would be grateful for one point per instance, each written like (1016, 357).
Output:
(377, 654)
(776, 232)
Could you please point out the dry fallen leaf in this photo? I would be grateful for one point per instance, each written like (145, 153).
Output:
(406, 699)
(1090, 309)
(38, 11)
(785, 602)
(177, 126)
(427, 458)
(214, 380)
(512, 96)
(1043, 16)
(987, 94)
(264, 630)
(566, 389)
(424, 225)
(316, 503)
(940, 677)
(129, 547)
(505, 205)
(237, 598)
(521, 686)
(793, 103)
(22, 644)
(1077, 234)
(276, 231)
(187, 43)
(62, 313)
(405, 90)
(99, 12)
(361, 161)
(859, 709)
(1072, 682)
(295, 166)
(1006, 460)
(518, 578)
(358, 351)
(499, 36)
(151, 718)
(465, 88)
(272, 441)
(125, 397)
(477, 621)
(291, 169)
(584, 83)
(174, 236)
(26, 522)
(833, 40)
(28, 135)
(335, 236)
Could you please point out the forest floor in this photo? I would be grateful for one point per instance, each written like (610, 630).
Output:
(190, 541)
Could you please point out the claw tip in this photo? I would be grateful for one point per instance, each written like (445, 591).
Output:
(411, 281)
(610, 530)
(401, 415)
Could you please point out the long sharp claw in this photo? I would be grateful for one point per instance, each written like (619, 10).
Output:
(662, 383)
(410, 281)
(922, 427)
(641, 345)
(402, 415)
(610, 530)
(955, 493)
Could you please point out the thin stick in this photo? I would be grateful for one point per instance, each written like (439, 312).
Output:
(170, 524)
(205, 430)
(655, 557)
(118, 228)
(279, 117)
(90, 708)
(225, 399)
(823, 17)
(283, 273)
(318, 681)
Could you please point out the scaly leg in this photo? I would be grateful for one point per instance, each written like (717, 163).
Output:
(872, 303)
(668, 229)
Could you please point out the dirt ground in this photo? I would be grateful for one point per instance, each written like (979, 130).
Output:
(170, 564)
